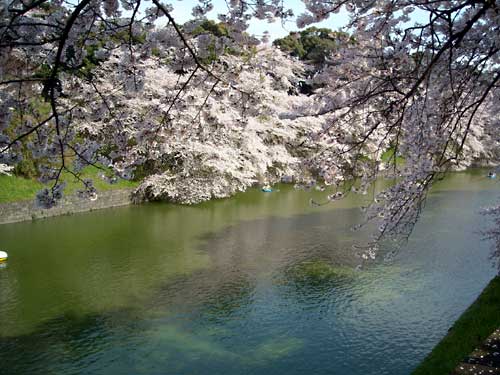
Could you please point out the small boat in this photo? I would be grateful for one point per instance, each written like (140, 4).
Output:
(267, 189)
(3, 256)
(492, 175)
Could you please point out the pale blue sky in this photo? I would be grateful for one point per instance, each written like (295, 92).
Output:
(182, 13)
(183, 8)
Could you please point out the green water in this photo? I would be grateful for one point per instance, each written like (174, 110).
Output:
(261, 283)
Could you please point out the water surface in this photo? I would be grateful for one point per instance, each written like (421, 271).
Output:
(257, 284)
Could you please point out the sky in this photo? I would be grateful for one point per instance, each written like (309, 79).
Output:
(182, 13)
(183, 8)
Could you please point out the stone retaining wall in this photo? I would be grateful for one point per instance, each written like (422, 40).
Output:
(26, 210)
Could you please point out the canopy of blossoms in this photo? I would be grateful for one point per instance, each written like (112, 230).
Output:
(201, 112)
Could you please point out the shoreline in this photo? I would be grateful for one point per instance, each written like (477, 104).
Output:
(25, 210)
(19, 211)
(467, 333)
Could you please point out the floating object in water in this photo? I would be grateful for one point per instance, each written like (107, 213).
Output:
(267, 189)
(492, 175)
(337, 195)
(313, 203)
(3, 256)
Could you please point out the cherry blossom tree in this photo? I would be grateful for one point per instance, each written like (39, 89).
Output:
(202, 146)
(419, 88)
(102, 83)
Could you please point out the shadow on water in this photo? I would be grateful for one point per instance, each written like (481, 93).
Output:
(121, 342)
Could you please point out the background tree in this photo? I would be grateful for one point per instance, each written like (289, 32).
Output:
(313, 44)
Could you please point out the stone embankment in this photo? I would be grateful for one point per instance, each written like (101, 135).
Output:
(26, 210)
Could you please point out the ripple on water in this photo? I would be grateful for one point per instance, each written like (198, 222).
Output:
(244, 286)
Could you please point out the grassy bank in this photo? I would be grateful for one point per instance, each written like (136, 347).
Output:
(13, 188)
(468, 332)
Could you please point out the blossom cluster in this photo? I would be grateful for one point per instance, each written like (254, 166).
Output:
(200, 111)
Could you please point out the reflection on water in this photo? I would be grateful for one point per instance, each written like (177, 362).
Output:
(257, 284)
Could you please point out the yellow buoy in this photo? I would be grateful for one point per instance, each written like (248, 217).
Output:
(3, 256)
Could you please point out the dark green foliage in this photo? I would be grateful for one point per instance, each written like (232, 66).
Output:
(35, 111)
(211, 27)
(215, 30)
(26, 167)
(313, 43)
(42, 71)
(218, 30)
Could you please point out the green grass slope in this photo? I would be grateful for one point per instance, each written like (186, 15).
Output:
(469, 331)
(14, 188)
